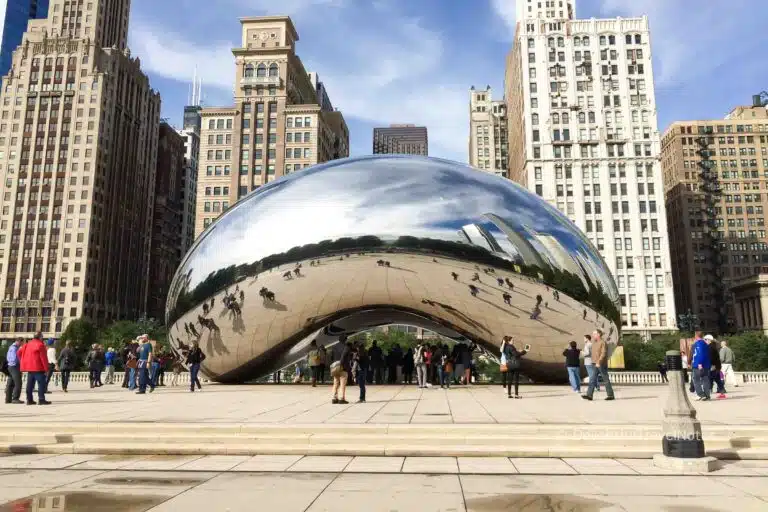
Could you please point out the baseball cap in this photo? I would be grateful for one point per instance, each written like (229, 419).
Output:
(709, 337)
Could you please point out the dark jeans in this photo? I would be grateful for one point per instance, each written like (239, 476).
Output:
(65, 379)
(321, 373)
(602, 371)
(51, 370)
(155, 371)
(13, 385)
(508, 376)
(701, 382)
(361, 382)
(316, 374)
(714, 378)
(193, 371)
(144, 377)
(445, 377)
(39, 379)
(378, 375)
(126, 377)
(93, 376)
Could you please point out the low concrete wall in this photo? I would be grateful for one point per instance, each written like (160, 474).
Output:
(616, 377)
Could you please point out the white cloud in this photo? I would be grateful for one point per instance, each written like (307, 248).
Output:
(379, 65)
(505, 9)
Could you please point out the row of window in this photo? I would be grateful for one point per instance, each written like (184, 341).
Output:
(604, 40)
(217, 191)
(297, 153)
(215, 206)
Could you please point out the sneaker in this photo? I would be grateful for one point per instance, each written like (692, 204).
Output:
(343, 402)
(335, 401)
(699, 398)
(361, 401)
(610, 398)
(141, 392)
(16, 402)
(721, 396)
(518, 396)
(586, 397)
(31, 403)
(44, 402)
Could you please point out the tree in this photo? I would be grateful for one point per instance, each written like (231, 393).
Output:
(82, 333)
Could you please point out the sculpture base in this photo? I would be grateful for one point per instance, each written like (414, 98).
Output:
(685, 466)
(690, 447)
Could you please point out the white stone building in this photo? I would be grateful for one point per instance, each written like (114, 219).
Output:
(487, 132)
(583, 135)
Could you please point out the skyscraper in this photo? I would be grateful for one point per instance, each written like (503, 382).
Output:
(14, 15)
(78, 149)
(714, 179)
(402, 139)
(167, 213)
(488, 143)
(190, 133)
(276, 125)
(583, 135)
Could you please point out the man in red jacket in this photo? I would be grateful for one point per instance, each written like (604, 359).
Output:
(34, 361)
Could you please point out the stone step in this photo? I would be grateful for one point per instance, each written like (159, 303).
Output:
(553, 451)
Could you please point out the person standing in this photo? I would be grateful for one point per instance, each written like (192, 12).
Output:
(361, 357)
(408, 366)
(589, 364)
(727, 359)
(323, 357)
(600, 358)
(700, 367)
(376, 357)
(420, 364)
(573, 365)
(341, 373)
(34, 361)
(313, 360)
(66, 365)
(195, 357)
(143, 365)
(663, 372)
(51, 355)
(109, 362)
(510, 357)
(13, 385)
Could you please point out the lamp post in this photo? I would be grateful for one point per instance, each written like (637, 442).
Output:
(682, 444)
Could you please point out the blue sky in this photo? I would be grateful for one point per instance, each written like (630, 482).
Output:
(400, 61)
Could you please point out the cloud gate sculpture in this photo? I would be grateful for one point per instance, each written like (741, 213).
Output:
(353, 244)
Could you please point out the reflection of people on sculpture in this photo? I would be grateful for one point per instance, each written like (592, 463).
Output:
(473, 290)
(205, 309)
(476, 277)
(507, 298)
(500, 281)
(455, 276)
(288, 275)
(539, 300)
(536, 313)
(509, 283)
(510, 364)
(266, 294)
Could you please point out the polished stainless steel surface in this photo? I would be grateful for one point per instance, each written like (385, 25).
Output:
(345, 246)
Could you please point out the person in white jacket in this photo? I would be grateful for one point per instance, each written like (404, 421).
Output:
(586, 354)
(51, 354)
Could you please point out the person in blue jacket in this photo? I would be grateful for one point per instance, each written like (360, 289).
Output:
(700, 367)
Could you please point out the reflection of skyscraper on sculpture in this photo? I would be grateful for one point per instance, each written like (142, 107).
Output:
(527, 253)
(478, 235)
(560, 256)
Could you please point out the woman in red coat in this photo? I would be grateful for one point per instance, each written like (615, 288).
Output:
(34, 361)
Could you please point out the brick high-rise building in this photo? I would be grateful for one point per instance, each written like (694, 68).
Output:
(583, 135)
(488, 143)
(276, 125)
(401, 139)
(168, 214)
(78, 144)
(715, 179)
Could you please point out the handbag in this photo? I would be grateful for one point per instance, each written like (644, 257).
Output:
(336, 369)
(503, 368)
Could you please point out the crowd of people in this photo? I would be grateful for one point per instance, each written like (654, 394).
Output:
(710, 364)
(594, 354)
(144, 363)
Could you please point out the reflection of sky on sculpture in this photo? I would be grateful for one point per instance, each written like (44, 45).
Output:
(382, 196)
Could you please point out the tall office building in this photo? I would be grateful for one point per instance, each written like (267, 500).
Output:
(167, 217)
(14, 15)
(583, 135)
(190, 133)
(401, 139)
(78, 148)
(275, 126)
(715, 174)
(488, 143)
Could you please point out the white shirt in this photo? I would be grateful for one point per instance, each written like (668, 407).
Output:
(51, 355)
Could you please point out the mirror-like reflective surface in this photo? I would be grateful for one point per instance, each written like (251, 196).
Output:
(353, 244)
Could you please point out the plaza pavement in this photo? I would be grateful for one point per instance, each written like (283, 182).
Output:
(347, 484)
(397, 421)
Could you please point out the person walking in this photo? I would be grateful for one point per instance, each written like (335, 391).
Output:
(408, 366)
(361, 357)
(176, 368)
(125, 354)
(109, 365)
(662, 371)
(600, 358)
(195, 357)
(66, 362)
(420, 364)
(572, 356)
(51, 355)
(700, 367)
(323, 357)
(34, 360)
(714, 370)
(13, 385)
(510, 364)
(727, 360)
(589, 364)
